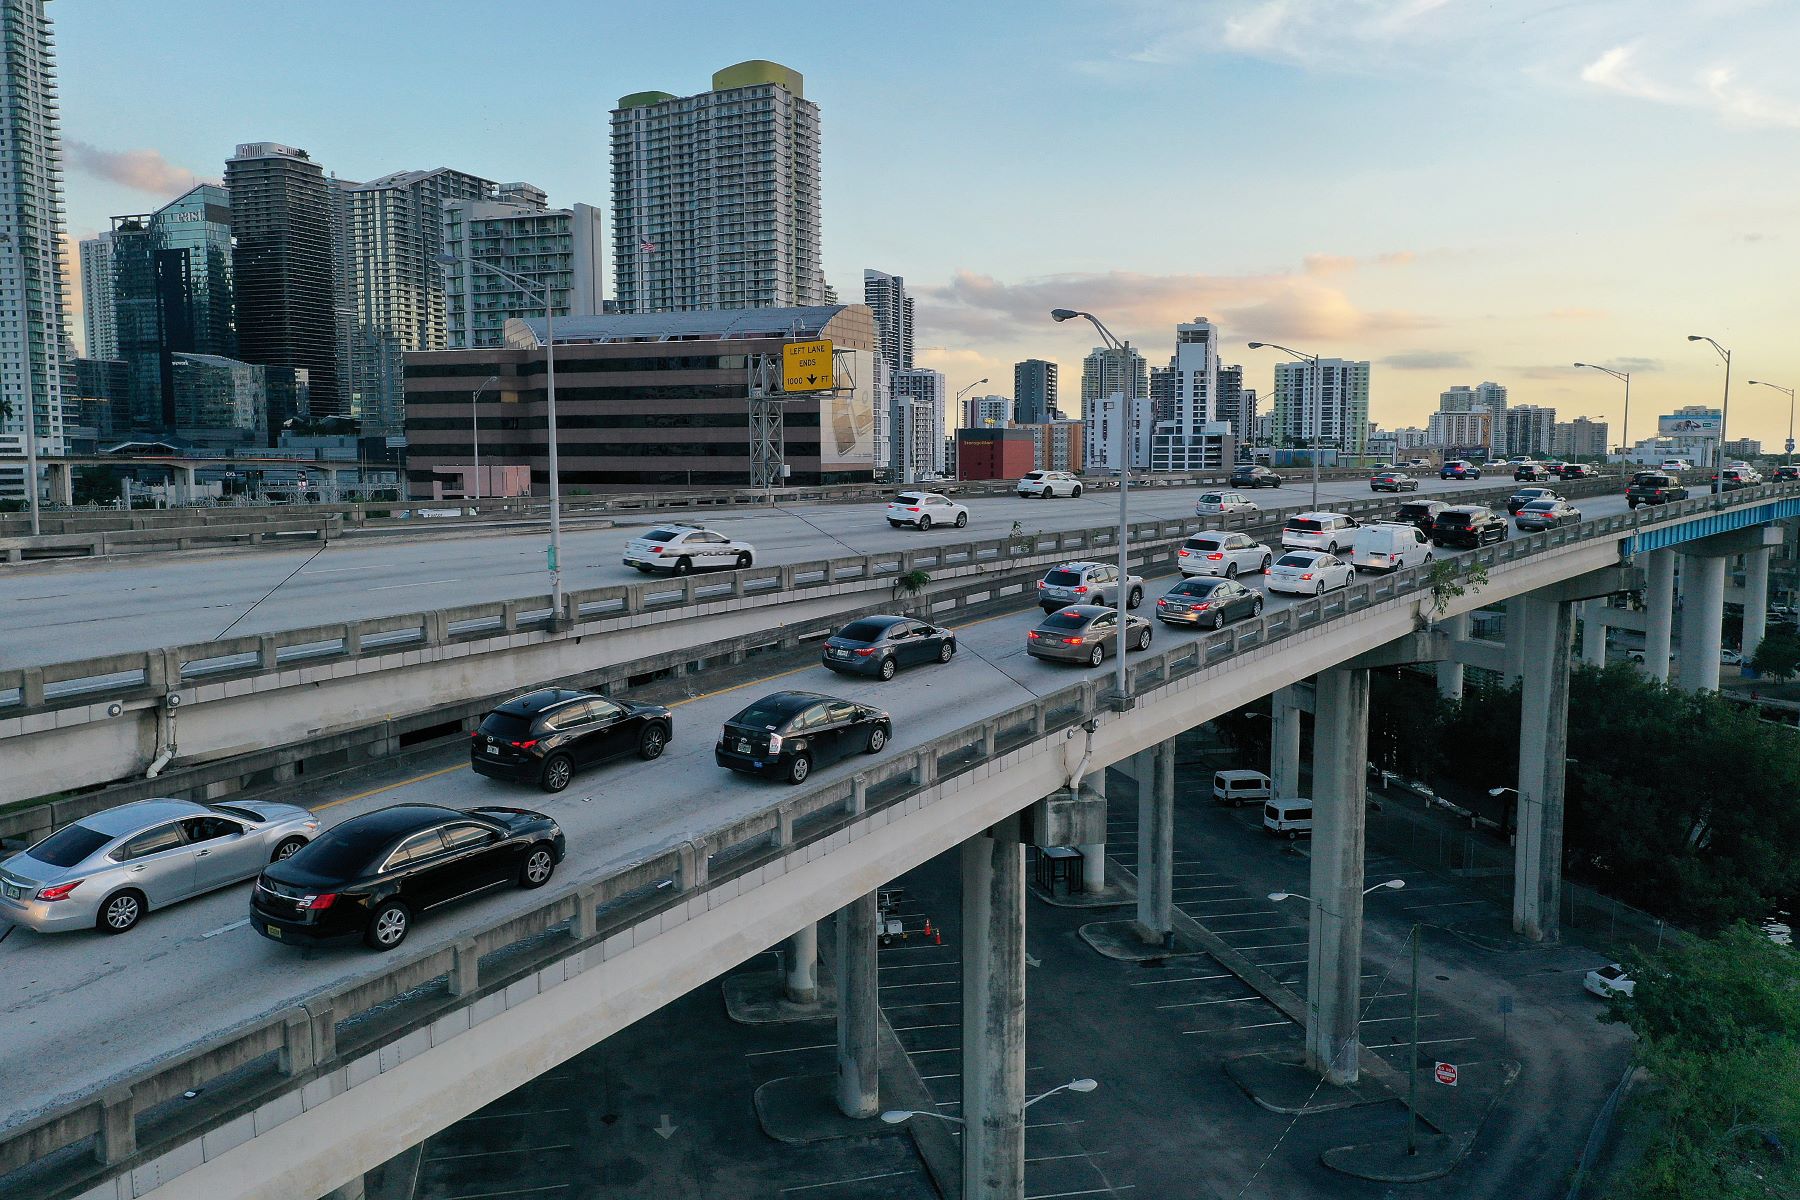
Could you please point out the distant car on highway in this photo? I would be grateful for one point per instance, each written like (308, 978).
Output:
(1309, 573)
(105, 871)
(1045, 484)
(1469, 526)
(1530, 471)
(1087, 583)
(1786, 471)
(1422, 513)
(1327, 531)
(1459, 468)
(1209, 602)
(1574, 470)
(1530, 495)
(1393, 481)
(545, 736)
(1735, 479)
(1608, 981)
(1218, 504)
(785, 735)
(1215, 552)
(881, 645)
(1547, 514)
(371, 876)
(1653, 487)
(1084, 633)
(922, 510)
(1254, 477)
(679, 549)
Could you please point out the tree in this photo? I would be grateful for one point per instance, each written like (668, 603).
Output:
(1778, 656)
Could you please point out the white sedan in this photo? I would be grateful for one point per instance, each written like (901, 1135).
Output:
(922, 510)
(1218, 504)
(1309, 573)
(1214, 552)
(679, 549)
(1608, 981)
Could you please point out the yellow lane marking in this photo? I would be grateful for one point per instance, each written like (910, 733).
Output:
(389, 787)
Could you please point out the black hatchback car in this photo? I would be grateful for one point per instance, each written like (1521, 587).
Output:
(371, 876)
(542, 737)
(1653, 487)
(1253, 477)
(1468, 526)
(1208, 602)
(881, 645)
(787, 734)
(1422, 513)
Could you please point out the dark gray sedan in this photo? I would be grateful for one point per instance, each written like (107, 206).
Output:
(1209, 602)
(1548, 514)
(1084, 633)
(106, 870)
(883, 645)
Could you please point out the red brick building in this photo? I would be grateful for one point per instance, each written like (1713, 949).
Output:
(995, 453)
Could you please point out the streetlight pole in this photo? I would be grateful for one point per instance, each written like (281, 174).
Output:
(1625, 424)
(1724, 417)
(475, 427)
(1790, 395)
(1124, 536)
(966, 391)
(532, 290)
(1318, 406)
(1412, 1063)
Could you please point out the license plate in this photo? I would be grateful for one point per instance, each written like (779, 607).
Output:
(743, 747)
(274, 930)
(494, 750)
(840, 654)
(14, 893)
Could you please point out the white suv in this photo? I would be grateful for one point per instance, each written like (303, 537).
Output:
(679, 549)
(922, 510)
(1325, 531)
(1087, 583)
(1045, 484)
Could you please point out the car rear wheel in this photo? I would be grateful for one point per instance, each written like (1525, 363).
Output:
(1096, 656)
(888, 668)
(962, 518)
(558, 770)
(743, 559)
(683, 566)
(799, 768)
(1256, 609)
(652, 741)
(287, 848)
(121, 912)
(1231, 570)
(1218, 621)
(539, 865)
(946, 651)
(1077, 492)
(877, 739)
(924, 524)
(1320, 589)
(387, 926)
(1267, 562)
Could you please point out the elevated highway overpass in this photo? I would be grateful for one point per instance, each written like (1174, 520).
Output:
(316, 1070)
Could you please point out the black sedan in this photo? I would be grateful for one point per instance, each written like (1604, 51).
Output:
(371, 876)
(1524, 496)
(787, 734)
(1576, 471)
(1252, 477)
(881, 645)
(1469, 526)
(542, 737)
(1208, 602)
(1548, 514)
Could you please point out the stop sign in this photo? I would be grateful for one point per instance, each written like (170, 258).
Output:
(1446, 1073)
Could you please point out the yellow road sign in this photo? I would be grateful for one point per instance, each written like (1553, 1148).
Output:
(806, 367)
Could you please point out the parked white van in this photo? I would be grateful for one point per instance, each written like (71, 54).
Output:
(1389, 546)
(1240, 787)
(1290, 816)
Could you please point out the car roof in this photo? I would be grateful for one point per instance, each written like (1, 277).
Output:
(1314, 516)
(400, 820)
(1392, 526)
(1240, 773)
(1081, 565)
(1423, 500)
(530, 704)
(793, 702)
(1314, 554)
(1090, 611)
(1466, 508)
(884, 620)
(129, 818)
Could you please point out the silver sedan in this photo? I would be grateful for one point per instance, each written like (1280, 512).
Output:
(1085, 633)
(106, 871)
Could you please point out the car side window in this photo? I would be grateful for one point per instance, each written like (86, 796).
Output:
(563, 718)
(207, 829)
(461, 837)
(1107, 621)
(815, 717)
(838, 714)
(417, 848)
(151, 841)
(601, 710)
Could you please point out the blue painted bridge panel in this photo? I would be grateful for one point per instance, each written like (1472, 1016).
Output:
(1724, 521)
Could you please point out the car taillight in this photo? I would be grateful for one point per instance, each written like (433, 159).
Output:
(1071, 641)
(1203, 606)
(912, 510)
(656, 549)
(1308, 575)
(1266, 571)
(1082, 590)
(774, 743)
(1031, 635)
(1042, 584)
(1162, 604)
(1659, 491)
(865, 653)
(1184, 554)
(59, 892)
(1215, 557)
(523, 745)
(321, 901)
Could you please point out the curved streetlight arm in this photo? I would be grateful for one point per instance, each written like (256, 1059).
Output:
(1067, 314)
(1625, 375)
(1318, 405)
(1074, 1085)
(895, 1116)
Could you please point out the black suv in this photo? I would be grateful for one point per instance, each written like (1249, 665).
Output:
(1786, 472)
(1468, 526)
(1571, 470)
(543, 736)
(1653, 487)
(1422, 513)
(1254, 477)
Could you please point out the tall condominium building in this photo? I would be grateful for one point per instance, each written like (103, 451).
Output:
(1583, 437)
(1162, 392)
(1034, 391)
(1106, 371)
(987, 412)
(1530, 429)
(1100, 431)
(395, 230)
(1189, 440)
(34, 340)
(283, 266)
(100, 331)
(886, 296)
(919, 422)
(557, 250)
(1489, 397)
(1235, 403)
(716, 196)
(172, 293)
(1338, 413)
(1462, 430)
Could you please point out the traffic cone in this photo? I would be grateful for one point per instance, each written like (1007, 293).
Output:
(939, 935)
(927, 926)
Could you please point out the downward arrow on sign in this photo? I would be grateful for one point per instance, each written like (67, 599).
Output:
(665, 1130)
(812, 379)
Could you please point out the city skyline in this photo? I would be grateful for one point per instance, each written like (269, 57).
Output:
(1367, 264)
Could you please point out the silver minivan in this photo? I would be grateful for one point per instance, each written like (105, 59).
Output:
(1288, 817)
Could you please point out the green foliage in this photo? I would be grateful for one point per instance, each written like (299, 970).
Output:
(1405, 716)
(912, 582)
(1451, 578)
(1718, 1025)
(1778, 656)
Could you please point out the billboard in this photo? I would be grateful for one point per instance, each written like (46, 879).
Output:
(1684, 425)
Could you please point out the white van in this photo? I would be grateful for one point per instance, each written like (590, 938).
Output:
(1291, 816)
(1389, 546)
(1240, 787)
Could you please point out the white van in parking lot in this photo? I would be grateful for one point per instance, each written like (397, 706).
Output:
(1290, 816)
(1240, 787)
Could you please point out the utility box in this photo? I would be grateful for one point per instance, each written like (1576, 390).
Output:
(1065, 819)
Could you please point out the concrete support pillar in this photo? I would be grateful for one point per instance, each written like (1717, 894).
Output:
(801, 980)
(1756, 599)
(1334, 940)
(993, 1014)
(1284, 744)
(1515, 641)
(1093, 854)
(1449, 673)
(1156, 848)
(1593, 634)
(859, 1017)
(1659, 612)
(1543, 754)
(1702, 614)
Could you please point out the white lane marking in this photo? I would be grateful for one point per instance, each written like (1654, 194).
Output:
(536, 1191)
(226, 928)
(1099, 1191)
(491, 1153)
(790, 1050)
(388, 587)
(1209, 1003)
(340, 570)
(1230, 1028)
(807, 1187)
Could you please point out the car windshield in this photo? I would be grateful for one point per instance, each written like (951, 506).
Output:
(663, 535)
(1211, 498)
(1194, 587)
(1063, 578)
(1197, 543)
(1300, 525)
(505, 725)
(345, 852)
(1065, 620)
(906, 498)
(1540, 506)
(68, 845)
(1035, 475)
(862, 631)
(768, 712)
(1294, 560)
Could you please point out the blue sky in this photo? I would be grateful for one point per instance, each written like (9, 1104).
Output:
(1456, 189)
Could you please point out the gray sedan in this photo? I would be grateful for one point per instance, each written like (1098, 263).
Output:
(1084, 633)
(105, 871)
